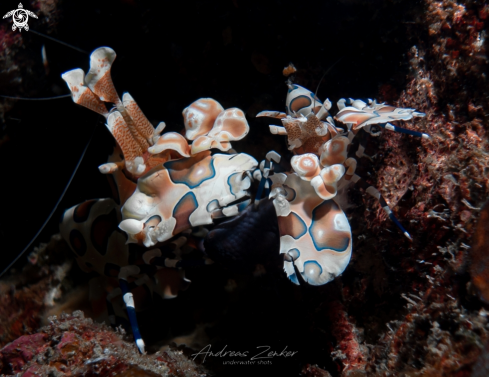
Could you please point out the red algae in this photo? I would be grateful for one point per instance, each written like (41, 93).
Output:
(24, 297)
(436, 187)
(75, 346)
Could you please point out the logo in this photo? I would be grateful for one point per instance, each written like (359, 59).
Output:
(20, 17)
(262, 355)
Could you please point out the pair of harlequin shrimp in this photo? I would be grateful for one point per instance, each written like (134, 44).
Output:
(166, 189)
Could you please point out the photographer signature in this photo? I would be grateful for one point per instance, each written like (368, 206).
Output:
(263, 352)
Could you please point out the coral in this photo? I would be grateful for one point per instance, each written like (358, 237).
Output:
(436, 337)
(24, 297)
(396, 172)
(313, 371)
(349, 349)
(453, 162)
(72, 345)
(436, 186)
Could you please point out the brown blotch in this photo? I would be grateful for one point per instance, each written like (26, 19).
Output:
(82, 211)
(291, 225)
(102, 227)
(387, 109)
(300, 103)
(322, 229)
(236, 127)
(182, 211)
(183, 170)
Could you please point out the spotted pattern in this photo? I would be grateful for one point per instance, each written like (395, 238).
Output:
(102, 227)
(182, 211)
(137, 137)
(191, 171)
(199, 117)
(387, 109)
(355, 117)
(302, 100)
(90, 101)
(104, 88)
(152, 221)
(236, 181)
(230, 124)
(306, 165)
(299, 103)
(306, 133)
(294, 253)
(293, 130)
(292, 225)
(171, 142)
(312, 271)
(329, 228)
(120, 131)
(77, 242)
(335, 151)
(144, 127)
(82, 211)
(312, 145)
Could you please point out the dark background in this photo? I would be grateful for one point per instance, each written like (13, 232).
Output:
(167, 57)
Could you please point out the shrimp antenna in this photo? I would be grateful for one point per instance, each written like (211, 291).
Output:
(58, 41)
(47, 98)
(325, 73)
(54, 209)
(36, 99)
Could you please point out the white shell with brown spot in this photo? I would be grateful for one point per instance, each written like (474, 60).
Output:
(199, 117)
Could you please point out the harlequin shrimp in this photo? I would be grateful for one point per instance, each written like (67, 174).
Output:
(315, 236)
(163, 187)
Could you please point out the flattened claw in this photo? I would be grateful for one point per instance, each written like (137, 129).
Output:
(81, 94)
(361, 115)
(171, 141)
(98, 79)
(315, 234)
(199, 117)
(306, 166)
(271, 114)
